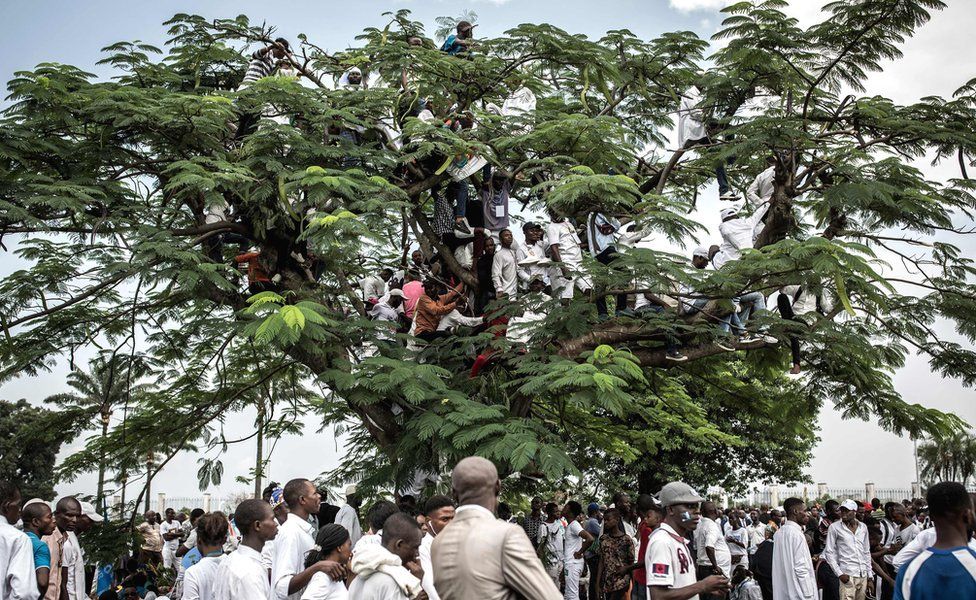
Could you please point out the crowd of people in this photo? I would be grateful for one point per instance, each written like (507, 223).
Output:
(472, 230)
(293, 545)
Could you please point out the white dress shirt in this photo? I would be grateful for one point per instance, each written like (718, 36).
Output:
(738, 235)
(322, 587)
(241, 576)
(349, 518)
(761, 190)
(504, 272)
(16, 564)
(564, 235)
(793, 577)
(534, 254)
(201, 579)
(847, 552)
(691, 124)
(428, 567)
(709, 534)
(74, 560)
(295, 538)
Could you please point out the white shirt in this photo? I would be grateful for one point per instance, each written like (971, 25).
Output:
(295, 538)
(322, 587)
(793, 577)
(16, 564)
(454, 318)
(201, 579)
(520, 329)
(425, 563)
(504, 271)
(848, 553)
(691, 124)
(573, 542)
(349, 518)
(600, 241)
(737, 235)
(74, 560)
(167, 527)
(761, 189)
(372, 286)
(709, 534)
(554, 535)
(668, 561)
(369, 539)
(532, 253)
(922, 540)
(740, 535)
(241, 576)
(564, 235)
(267, 554)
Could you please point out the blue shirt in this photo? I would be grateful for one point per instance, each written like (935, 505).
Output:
(938, 575)
(451, 45)
(42, 554)
(191, 558)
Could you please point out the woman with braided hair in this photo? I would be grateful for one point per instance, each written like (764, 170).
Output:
(331, 543)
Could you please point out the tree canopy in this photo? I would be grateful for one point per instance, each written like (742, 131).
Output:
(107, 186)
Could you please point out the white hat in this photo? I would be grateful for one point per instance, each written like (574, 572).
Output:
(728, 212)
(701, 251)
(37, 501)
(351, 489)
(849, 504)
(88, 509)
(396, 292)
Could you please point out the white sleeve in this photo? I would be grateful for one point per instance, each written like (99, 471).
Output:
(658, 564)
(191, 540)
(803, 567)
(284, 548)
(830, 551)
(19, 578)
(191, 589)
(752, 192)
(497, 276)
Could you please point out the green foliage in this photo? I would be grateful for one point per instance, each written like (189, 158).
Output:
(131, 205)
(30, 438)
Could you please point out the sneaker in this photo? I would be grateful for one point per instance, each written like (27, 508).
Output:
(749, 339)
(462, 227)
(603, 318)
(729, 196)
(674, 355)
(769, 339)
(725, 345)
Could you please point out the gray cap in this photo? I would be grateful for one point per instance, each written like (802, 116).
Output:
(678, 492)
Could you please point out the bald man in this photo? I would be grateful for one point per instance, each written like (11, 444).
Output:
(479, 556)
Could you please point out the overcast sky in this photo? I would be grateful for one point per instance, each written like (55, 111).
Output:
(937, 61)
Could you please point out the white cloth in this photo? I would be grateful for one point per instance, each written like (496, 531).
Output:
(372, 286)
(267, 554)
(793, 576)
(349, 518)
(504, 272)
(428, 567)
(691, 119)
(322, 587)
(201, 579)
(454, 319)
(738, 235)
(564, 235)
(740, 535)
(74, 560)
(295, 538)
(600, 241)
(16, 564)
(761, 189)
(757, 535)
(924, 539)
(709, 534)
(573, 542)
(847, 552)
(532, 262)
(376, 561)
(520, 329)
(369, 539)
(574, 569)
(242, 577)
(668, 562)
(465, 255)
(554, 536)
(191, 540)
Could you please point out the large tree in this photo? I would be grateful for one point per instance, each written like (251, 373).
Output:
(106, 188)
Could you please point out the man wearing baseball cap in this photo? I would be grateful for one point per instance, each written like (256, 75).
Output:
(669, 565)
(848, 552)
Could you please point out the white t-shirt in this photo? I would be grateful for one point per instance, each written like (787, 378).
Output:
(167, 527)
(574, 541)
(709, 534)
(321, 587)
(742, 536)
(668, 561)
(553, 534)
(564, 234)
(200, 580)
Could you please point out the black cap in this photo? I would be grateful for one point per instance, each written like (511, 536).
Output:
(531, 225)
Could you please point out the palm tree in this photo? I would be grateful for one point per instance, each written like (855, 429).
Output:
(107, 383)
(952, 458)
(446, 25)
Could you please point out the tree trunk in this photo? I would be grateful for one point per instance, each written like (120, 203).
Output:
(259, 456)
(149, 476)
(100, 493)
